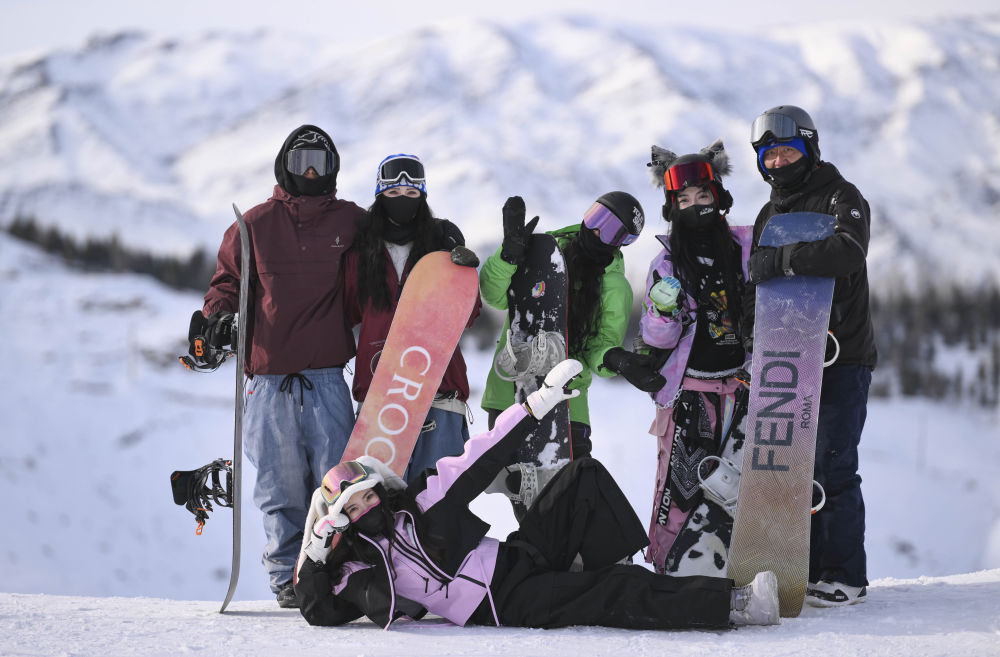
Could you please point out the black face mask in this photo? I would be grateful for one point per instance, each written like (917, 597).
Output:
(313, 186)
(695, 217)
(594, 249)
(792, 175)
(372, 523)
(401, 210)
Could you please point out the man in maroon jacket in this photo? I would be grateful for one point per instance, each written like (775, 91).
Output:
(298, 413)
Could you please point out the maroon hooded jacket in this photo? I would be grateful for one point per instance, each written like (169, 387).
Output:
(297, 317)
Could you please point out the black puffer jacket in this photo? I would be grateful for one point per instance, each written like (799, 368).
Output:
(841, 256)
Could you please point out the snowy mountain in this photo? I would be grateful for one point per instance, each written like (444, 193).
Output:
(152, 140)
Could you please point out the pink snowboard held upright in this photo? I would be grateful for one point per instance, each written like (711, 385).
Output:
(433, 310)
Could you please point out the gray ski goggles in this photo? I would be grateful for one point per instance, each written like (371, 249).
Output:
(301, 160)
(772, 126)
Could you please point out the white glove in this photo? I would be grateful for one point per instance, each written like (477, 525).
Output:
(318, 548)
(553, 389)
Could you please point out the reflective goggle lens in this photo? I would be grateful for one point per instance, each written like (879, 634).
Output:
(775, 126)
(392, 169)
(301, 160)
(400, 170)
(340, 477)
(685, 175)
(609, 227)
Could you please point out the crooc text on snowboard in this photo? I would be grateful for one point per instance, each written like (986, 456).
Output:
(433, 310)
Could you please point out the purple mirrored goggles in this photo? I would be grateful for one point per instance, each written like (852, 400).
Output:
(609, 227)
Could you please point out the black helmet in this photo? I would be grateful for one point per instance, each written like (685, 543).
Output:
(627, 211)
(695, 169)
(785, 123)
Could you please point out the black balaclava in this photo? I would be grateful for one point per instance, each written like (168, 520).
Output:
(694, 217)
(402, 210)
(400, 213)
(312, 137)
(594, 249)
(372, 522)
(789, 177)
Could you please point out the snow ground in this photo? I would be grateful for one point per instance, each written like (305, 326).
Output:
(953, 615)
(96, 560)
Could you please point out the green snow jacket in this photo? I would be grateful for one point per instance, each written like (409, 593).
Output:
(616, 303)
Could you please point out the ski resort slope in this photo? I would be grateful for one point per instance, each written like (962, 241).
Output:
(953, 615)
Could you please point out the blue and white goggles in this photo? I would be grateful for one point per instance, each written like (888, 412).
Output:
(400, 170)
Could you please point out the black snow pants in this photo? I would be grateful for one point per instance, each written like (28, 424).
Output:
(583, 511)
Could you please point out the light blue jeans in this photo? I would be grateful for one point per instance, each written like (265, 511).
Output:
(292, 435)
(444, 434)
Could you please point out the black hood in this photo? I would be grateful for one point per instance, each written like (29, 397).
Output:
(285, 179)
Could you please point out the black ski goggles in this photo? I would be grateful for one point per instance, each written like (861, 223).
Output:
(689, 174)
(301, 160)
(772, 126)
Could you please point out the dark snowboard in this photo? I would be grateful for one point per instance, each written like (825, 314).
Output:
(536, 302)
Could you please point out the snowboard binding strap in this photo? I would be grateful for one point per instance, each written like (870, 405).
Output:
(191, 490)
(522, 360)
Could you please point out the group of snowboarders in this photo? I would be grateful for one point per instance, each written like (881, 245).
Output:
(388, 547)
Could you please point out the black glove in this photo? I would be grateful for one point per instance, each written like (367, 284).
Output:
(465, 257)
(769, 262)
(219, 329)
(515, 232)
(449, 236)
(748, 343)
(638, 369)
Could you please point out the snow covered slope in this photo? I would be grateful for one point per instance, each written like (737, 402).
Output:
(957, 615)
(97, 412)
(152, 140)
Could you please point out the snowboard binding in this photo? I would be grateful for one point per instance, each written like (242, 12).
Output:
(722, 486)
(520, 360)
(521, 482)
(191, 490)
(202, 355)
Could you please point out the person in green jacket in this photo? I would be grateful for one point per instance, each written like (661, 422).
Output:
(600, 298)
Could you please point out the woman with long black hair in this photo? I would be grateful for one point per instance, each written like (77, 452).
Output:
(406, 551)
(692, 322)
(599, 297)
(399, 229)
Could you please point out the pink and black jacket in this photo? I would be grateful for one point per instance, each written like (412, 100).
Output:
(406, 582)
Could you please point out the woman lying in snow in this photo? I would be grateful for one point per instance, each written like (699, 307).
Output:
(404, 550)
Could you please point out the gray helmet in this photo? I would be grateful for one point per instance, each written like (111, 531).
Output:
(784, 123)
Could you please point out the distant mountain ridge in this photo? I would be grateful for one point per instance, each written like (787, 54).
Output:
(151, 140)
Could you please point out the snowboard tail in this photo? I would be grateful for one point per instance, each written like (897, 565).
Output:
(772, 525)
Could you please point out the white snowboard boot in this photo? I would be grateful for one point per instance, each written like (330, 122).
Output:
(757, 602)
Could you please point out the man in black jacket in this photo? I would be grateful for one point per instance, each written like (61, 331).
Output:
(788, 157)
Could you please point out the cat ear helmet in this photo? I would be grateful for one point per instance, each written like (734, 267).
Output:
(674, 174)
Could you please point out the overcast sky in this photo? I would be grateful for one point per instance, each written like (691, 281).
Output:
(42, 24)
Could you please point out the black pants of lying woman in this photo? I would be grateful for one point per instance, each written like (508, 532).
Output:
(583, 512)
